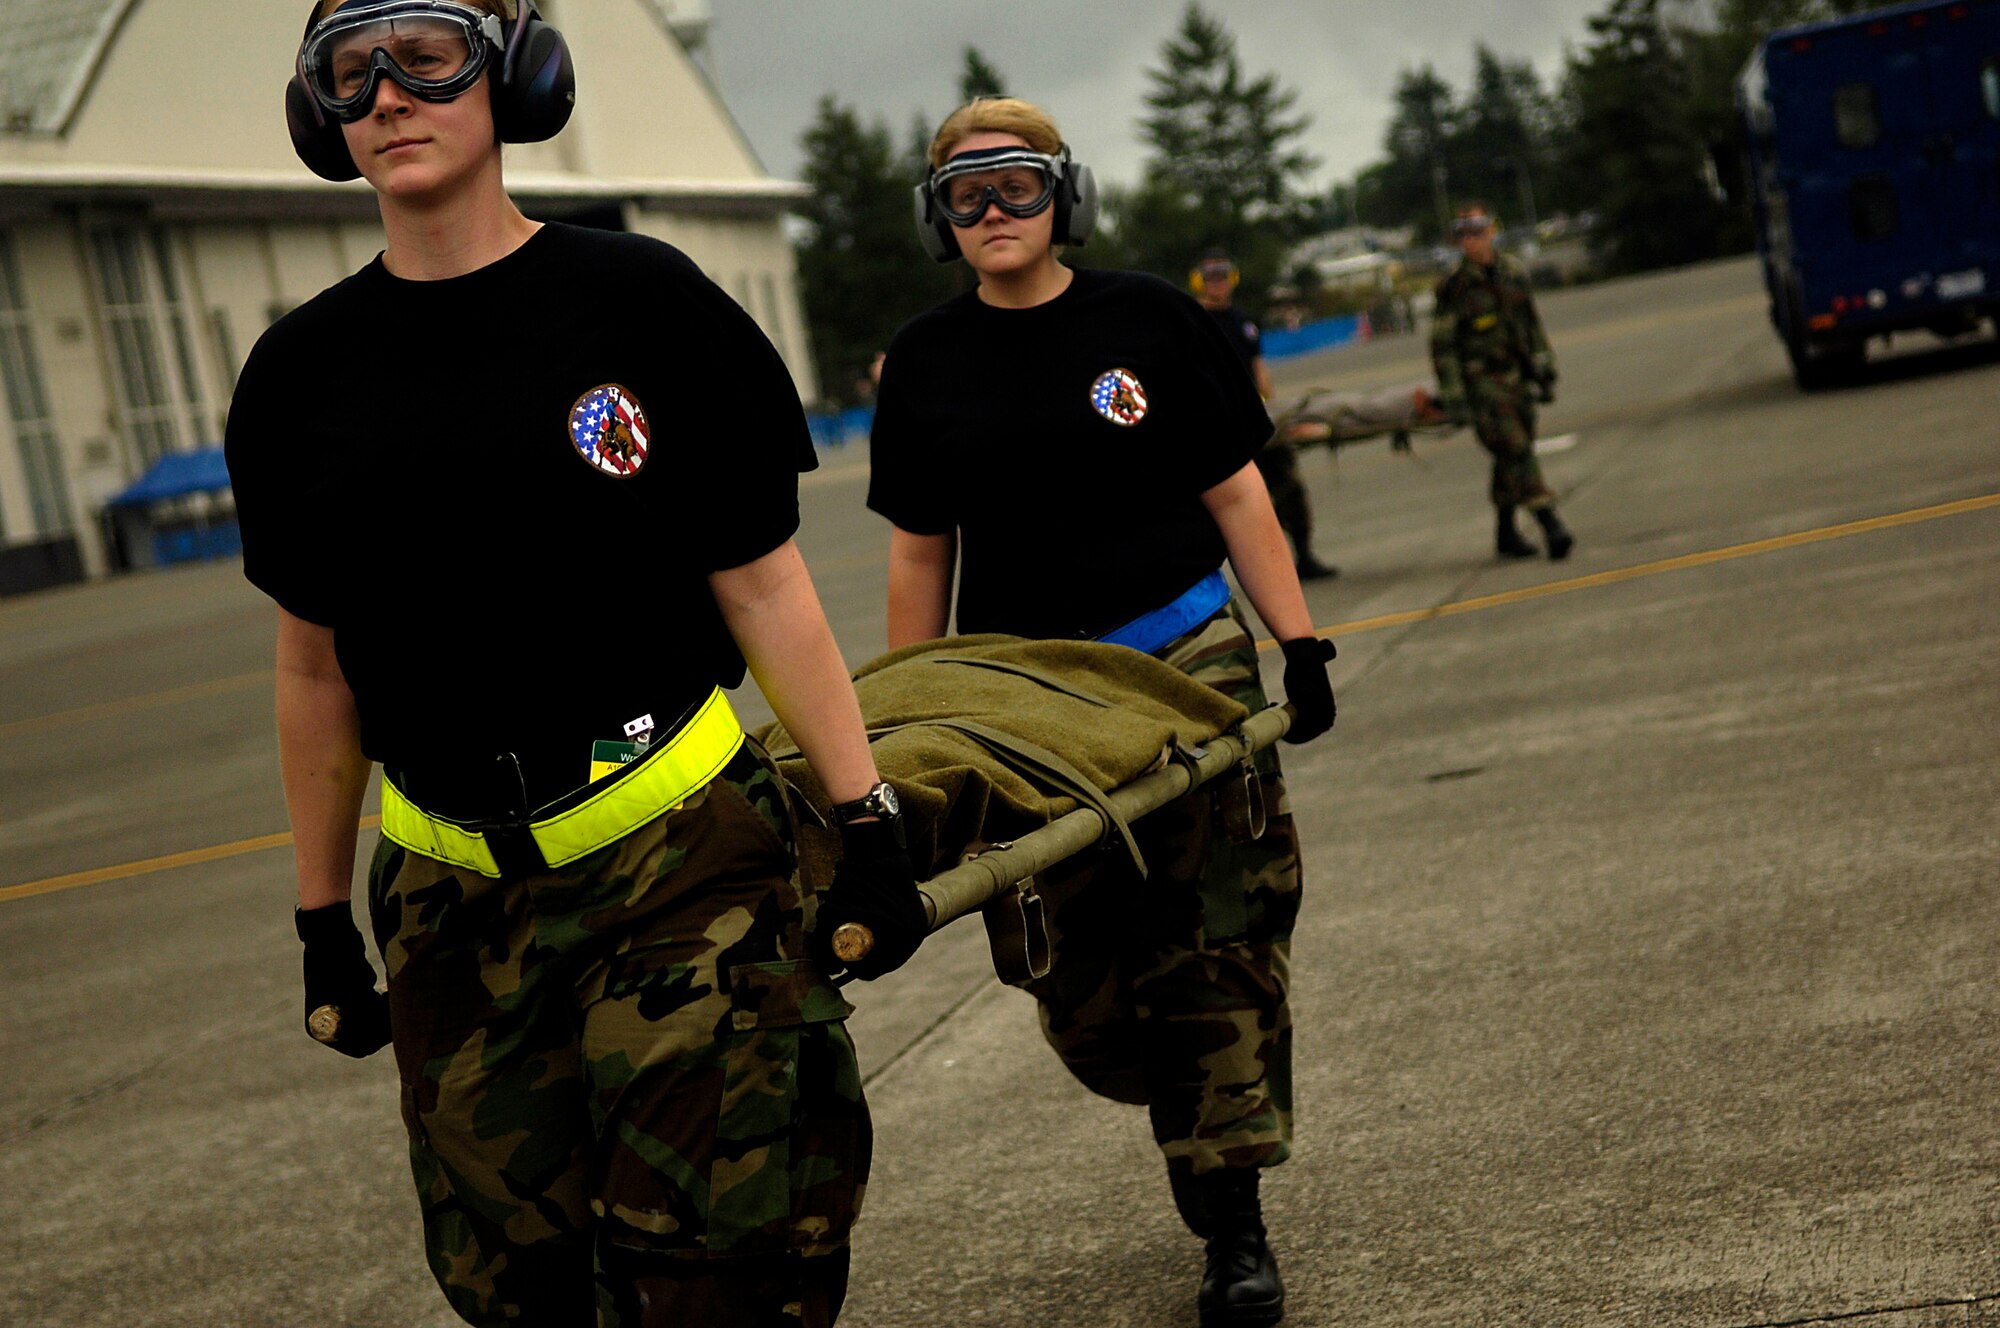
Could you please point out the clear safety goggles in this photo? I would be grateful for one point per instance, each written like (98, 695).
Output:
(1476, 224)
(1021, 181)
(433, 49)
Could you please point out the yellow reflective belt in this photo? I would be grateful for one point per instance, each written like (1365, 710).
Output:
(657, 782)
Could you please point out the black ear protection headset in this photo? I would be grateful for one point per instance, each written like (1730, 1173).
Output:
(533, 93)
(1075, 206)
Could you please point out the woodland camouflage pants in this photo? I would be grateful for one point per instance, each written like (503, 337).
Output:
(1503, 415)
(1172, 992)
(630, 1097)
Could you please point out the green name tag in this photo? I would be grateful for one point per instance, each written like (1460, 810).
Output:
(606, 756)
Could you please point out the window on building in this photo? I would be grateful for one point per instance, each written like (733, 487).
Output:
(176, 321)
(162, 401)
(1857, 115)
(28, 404)
(148, 409)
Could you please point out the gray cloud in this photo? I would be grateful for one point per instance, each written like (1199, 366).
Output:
(897, 60)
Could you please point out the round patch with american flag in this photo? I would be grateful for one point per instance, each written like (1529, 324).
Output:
(608, 426)
(1117, 396)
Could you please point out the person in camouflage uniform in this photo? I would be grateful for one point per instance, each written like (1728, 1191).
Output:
(1493, 365)
(629, 1094)
(657, 993)
(1107, 411)
(1129, 954)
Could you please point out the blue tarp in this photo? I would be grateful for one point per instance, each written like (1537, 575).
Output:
(176, 475)
(1280, 343)
(837, 430)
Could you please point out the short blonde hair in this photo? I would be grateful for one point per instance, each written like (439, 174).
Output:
(999, 115)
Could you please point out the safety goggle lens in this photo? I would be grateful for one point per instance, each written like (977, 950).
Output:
(1021, 190)
(427, 49)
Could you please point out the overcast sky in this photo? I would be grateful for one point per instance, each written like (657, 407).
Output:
(1086, 61)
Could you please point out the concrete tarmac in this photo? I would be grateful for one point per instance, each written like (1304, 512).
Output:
(1646, 974)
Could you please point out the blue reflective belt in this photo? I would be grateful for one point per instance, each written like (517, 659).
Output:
(1149, 631)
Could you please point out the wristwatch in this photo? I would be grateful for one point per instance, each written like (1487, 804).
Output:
(878, 801)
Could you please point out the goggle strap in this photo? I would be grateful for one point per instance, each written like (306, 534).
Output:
(993, 159)
(483, 36)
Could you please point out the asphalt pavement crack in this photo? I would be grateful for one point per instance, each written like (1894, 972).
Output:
(1846, 1316)
(949, 1013)
(118, 1083)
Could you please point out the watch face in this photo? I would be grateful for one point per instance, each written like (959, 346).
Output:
(885, 797)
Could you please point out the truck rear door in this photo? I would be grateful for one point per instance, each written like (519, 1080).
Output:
(1961, 46)
(1852, 117)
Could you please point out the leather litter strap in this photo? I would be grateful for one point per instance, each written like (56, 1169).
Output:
(1037, 765)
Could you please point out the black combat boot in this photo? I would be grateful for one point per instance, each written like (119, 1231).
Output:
(1240, 1288)
(1559, 539)
(1507, 540)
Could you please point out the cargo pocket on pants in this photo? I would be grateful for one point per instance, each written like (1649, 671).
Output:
(792, 1134)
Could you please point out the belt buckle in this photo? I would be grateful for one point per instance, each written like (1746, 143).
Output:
(512, 844)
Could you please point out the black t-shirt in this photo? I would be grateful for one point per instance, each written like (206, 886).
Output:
(1067, 446)
(409, 467)
(1241, 333)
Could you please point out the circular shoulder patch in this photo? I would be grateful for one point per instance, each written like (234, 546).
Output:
(609, 428)
(1118, 397)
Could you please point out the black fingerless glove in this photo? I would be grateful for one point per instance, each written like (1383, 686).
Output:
(343, 1009)
(875, 886)
(1307, 687)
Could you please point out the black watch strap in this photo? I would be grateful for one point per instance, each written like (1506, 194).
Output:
(878, 801)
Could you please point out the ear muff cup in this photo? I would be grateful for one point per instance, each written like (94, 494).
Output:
(932, 229)
(533, 102)
(1199, 284)
(316, 137)
(532, 99)
(1076, 205)
(1075, 213)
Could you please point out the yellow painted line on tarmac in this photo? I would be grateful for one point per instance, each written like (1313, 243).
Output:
(192, 857)
(127, 705)
(1663, 565)
(215, 853)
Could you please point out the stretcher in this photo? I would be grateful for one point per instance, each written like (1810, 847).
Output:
(1012, 756)
(998, 881)
(1336, 419)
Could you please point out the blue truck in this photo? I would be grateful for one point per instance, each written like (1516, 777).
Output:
(1871, 148)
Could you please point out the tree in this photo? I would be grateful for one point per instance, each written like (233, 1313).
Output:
(1411, 186)
(861, 273)
(978, 78)
(1500, 148)
(1224, 161)
(1632, 147)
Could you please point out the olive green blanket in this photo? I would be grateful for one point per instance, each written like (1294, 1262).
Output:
(988, 737)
